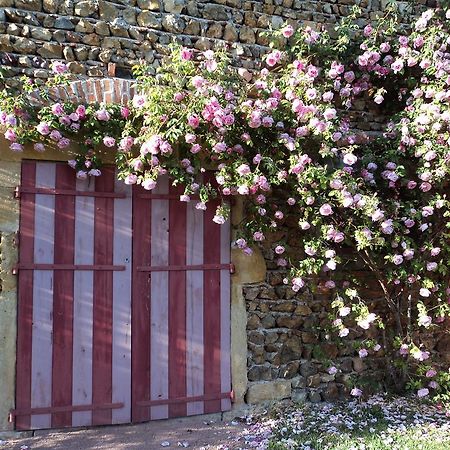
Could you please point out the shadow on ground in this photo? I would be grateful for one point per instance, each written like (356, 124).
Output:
(199, 432)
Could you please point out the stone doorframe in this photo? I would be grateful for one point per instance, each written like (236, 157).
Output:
(248, 269)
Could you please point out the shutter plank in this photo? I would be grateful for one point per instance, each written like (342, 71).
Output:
(83, 303)
(63, 282)
(41, 368)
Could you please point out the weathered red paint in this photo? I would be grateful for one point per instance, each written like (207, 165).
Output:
(25, 301)
(140, 307)
(63, 297)
(177, 304)
(211, 308)
(103, 281)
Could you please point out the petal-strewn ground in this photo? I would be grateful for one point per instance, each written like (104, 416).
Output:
(378, 423)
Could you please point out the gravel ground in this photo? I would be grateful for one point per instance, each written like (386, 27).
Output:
(199, 432)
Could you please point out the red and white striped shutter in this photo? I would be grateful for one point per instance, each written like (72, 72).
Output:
(181, 307)
(123, 310)
(74, 312)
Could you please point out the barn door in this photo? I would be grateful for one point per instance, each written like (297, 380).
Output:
(123, 311)
(181, 311)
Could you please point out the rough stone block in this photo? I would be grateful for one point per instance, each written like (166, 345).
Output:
(273, 390)
(174, 6)
(31, 5)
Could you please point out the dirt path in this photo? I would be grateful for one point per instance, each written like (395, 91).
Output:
(200, 432)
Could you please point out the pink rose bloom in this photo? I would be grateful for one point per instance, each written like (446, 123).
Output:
(287, 31)
(137, 164)
(219, 219)
(57, 109)
(193, 121)
(81, 175)
(198, 81)
(94, 173)
(336, 184)
(339, 237)
(435, 251)
(126, 143)
(258, 236)
(81, 111)
(329, 114)
(43, 128)
(404, 350)
(377, 215)
(243, 169)
(367, 30)
(109, 141)
(59, 67)
(350, 159)
(178, 97)
(425, 187)
(55, 135)
(397, 65)
(326, 210)
(422, 392)
(297, 284)
(186, 54)
(425, 321)
(363, 353)
(124, 112)
(190, 138)
(424, 292)
(139, 101)
(356, 392)
(241, 243)
(344, 332)
(149, 184)
(273, 58)
(130, 179)
(279, 249)
(195, 148)
(411, 184)
(332, 370)
(201, 206)
(63, 143)
(430, 155)
(291, 201)
(431, 373)
(16, 147)
(304, 225)
(102, 115)
(378, 99)
(10, 135)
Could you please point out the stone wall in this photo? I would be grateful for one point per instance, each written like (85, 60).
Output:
(288, 341)
(291, 346)
(9, 225)
(97, 37)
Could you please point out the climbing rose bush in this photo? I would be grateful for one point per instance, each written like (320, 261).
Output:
(287, 137)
